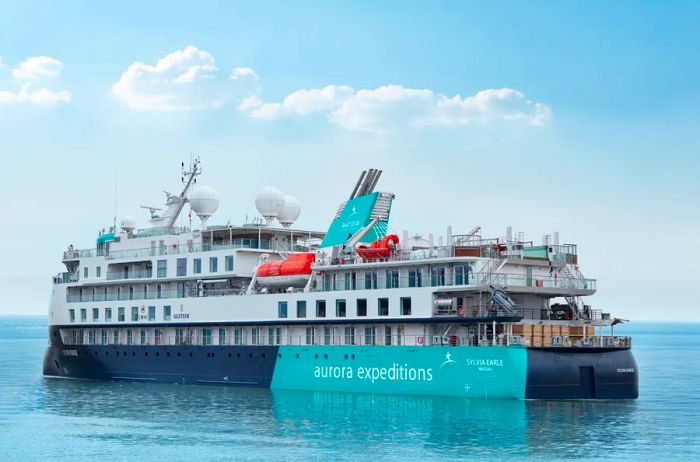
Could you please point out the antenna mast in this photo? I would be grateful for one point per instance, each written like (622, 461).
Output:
(190, 177)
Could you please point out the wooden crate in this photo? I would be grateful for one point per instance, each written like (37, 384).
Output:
(564, 331)
(527, 329)
(537, 330)
(518, 329)
(547, 341)
(556, 330)
(536, 341)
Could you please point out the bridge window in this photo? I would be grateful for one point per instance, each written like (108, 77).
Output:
(213, 264)
(383, 306)
(340, 308)
(197, 265)
(351, 281)
(462, 275)
(370, 280)
(405, 306)
(166, 312)
(301, 308)
(162, 268)
(281, 309)
(229, 262)
(320, 308)
(437, 276)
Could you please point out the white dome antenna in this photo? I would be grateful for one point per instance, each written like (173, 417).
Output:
(269, 202)
(128, 224)
(290, 211)
(204, 201)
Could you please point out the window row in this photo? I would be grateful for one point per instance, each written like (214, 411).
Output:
(137, 314)
(341, 308)
(413, 277)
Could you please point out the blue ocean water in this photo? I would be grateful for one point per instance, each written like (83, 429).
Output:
(79, 420)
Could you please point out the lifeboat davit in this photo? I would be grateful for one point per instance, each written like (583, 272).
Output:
(294, 271)
(378, 249)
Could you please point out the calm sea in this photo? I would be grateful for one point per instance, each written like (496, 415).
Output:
(65, 419)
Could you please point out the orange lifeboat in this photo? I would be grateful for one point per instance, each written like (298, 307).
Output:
(294, 271)
(378, 249)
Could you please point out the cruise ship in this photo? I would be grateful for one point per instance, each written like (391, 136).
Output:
(356, 308)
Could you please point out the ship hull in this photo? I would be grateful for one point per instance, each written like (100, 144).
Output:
(470, 372)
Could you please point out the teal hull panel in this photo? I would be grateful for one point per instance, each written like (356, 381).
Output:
(478, 372)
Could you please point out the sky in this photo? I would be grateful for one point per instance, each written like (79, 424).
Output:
(577, 117)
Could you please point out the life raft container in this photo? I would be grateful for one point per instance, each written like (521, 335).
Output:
(378, 249)
(294, 271)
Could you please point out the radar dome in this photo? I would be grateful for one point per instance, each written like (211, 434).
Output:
(290, 211)
(269, 202)
(204, 201)
(128, 224)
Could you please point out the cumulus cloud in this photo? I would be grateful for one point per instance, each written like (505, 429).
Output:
(390, 107)
(27, 75)
(38, 67)
(184, 80)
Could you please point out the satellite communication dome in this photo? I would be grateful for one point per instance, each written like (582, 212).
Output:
(204, 201)
(269, 203)
(290, 211)
(128, 224)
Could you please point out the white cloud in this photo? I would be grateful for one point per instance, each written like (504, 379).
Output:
(184, 80)
(390, 107)
(39, 96)
(27, 75)
(37, 68)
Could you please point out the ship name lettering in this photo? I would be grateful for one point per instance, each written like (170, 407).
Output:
(181, 316)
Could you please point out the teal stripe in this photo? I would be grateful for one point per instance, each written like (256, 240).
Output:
(471, 372)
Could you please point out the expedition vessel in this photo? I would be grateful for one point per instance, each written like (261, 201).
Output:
(353, 309)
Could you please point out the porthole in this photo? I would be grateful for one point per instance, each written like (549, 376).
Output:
(145, 353)
(325, 356)
(251, 355)
(297, 355)
(95, 353)
(212, 355)
(190, 354)
(316, 356)
(279, 355)
(178, 354)
(124, 353)
(207, 355)
(133, 353)
(117, 353)
(238, 355)
(167, 354)
(353, 356)
(229, 355)
(106, 353)
(157, 353)
(346, 356)
(263, 355)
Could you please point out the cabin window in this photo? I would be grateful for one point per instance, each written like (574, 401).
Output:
(197, 265)
(98, 271)
(95, 314)
(301, 308)
(274, 335)
(387, 335)
(71, 315)
(349, 335)
(151, 313)
(166, 312)
(310, 336)
(237, 336)
(159, 291)
(281, 309)
(340, 308)
(370, 335)
(83, 314)
(162, 268)
(415, 277)
(143, 337)
(131, 293)
(108, 314)
(85, 272)
(362, 307)
(222, 336)
(181, 267)
(326, 335)
(91, 337)
(129, 337)
(120, 314)
(229, 262)
(462, 275)
(255, 335)
(329, 281)
(103, 337)
(383, 307)
(437, 276)
(213, 264)
(392, 279)
(370, 280)
(206, 336)
(405, 306)
(115, 337)
(320, 308)
(134, 313)
(350, 281)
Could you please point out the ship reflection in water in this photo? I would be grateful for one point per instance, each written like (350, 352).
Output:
(342, 425)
